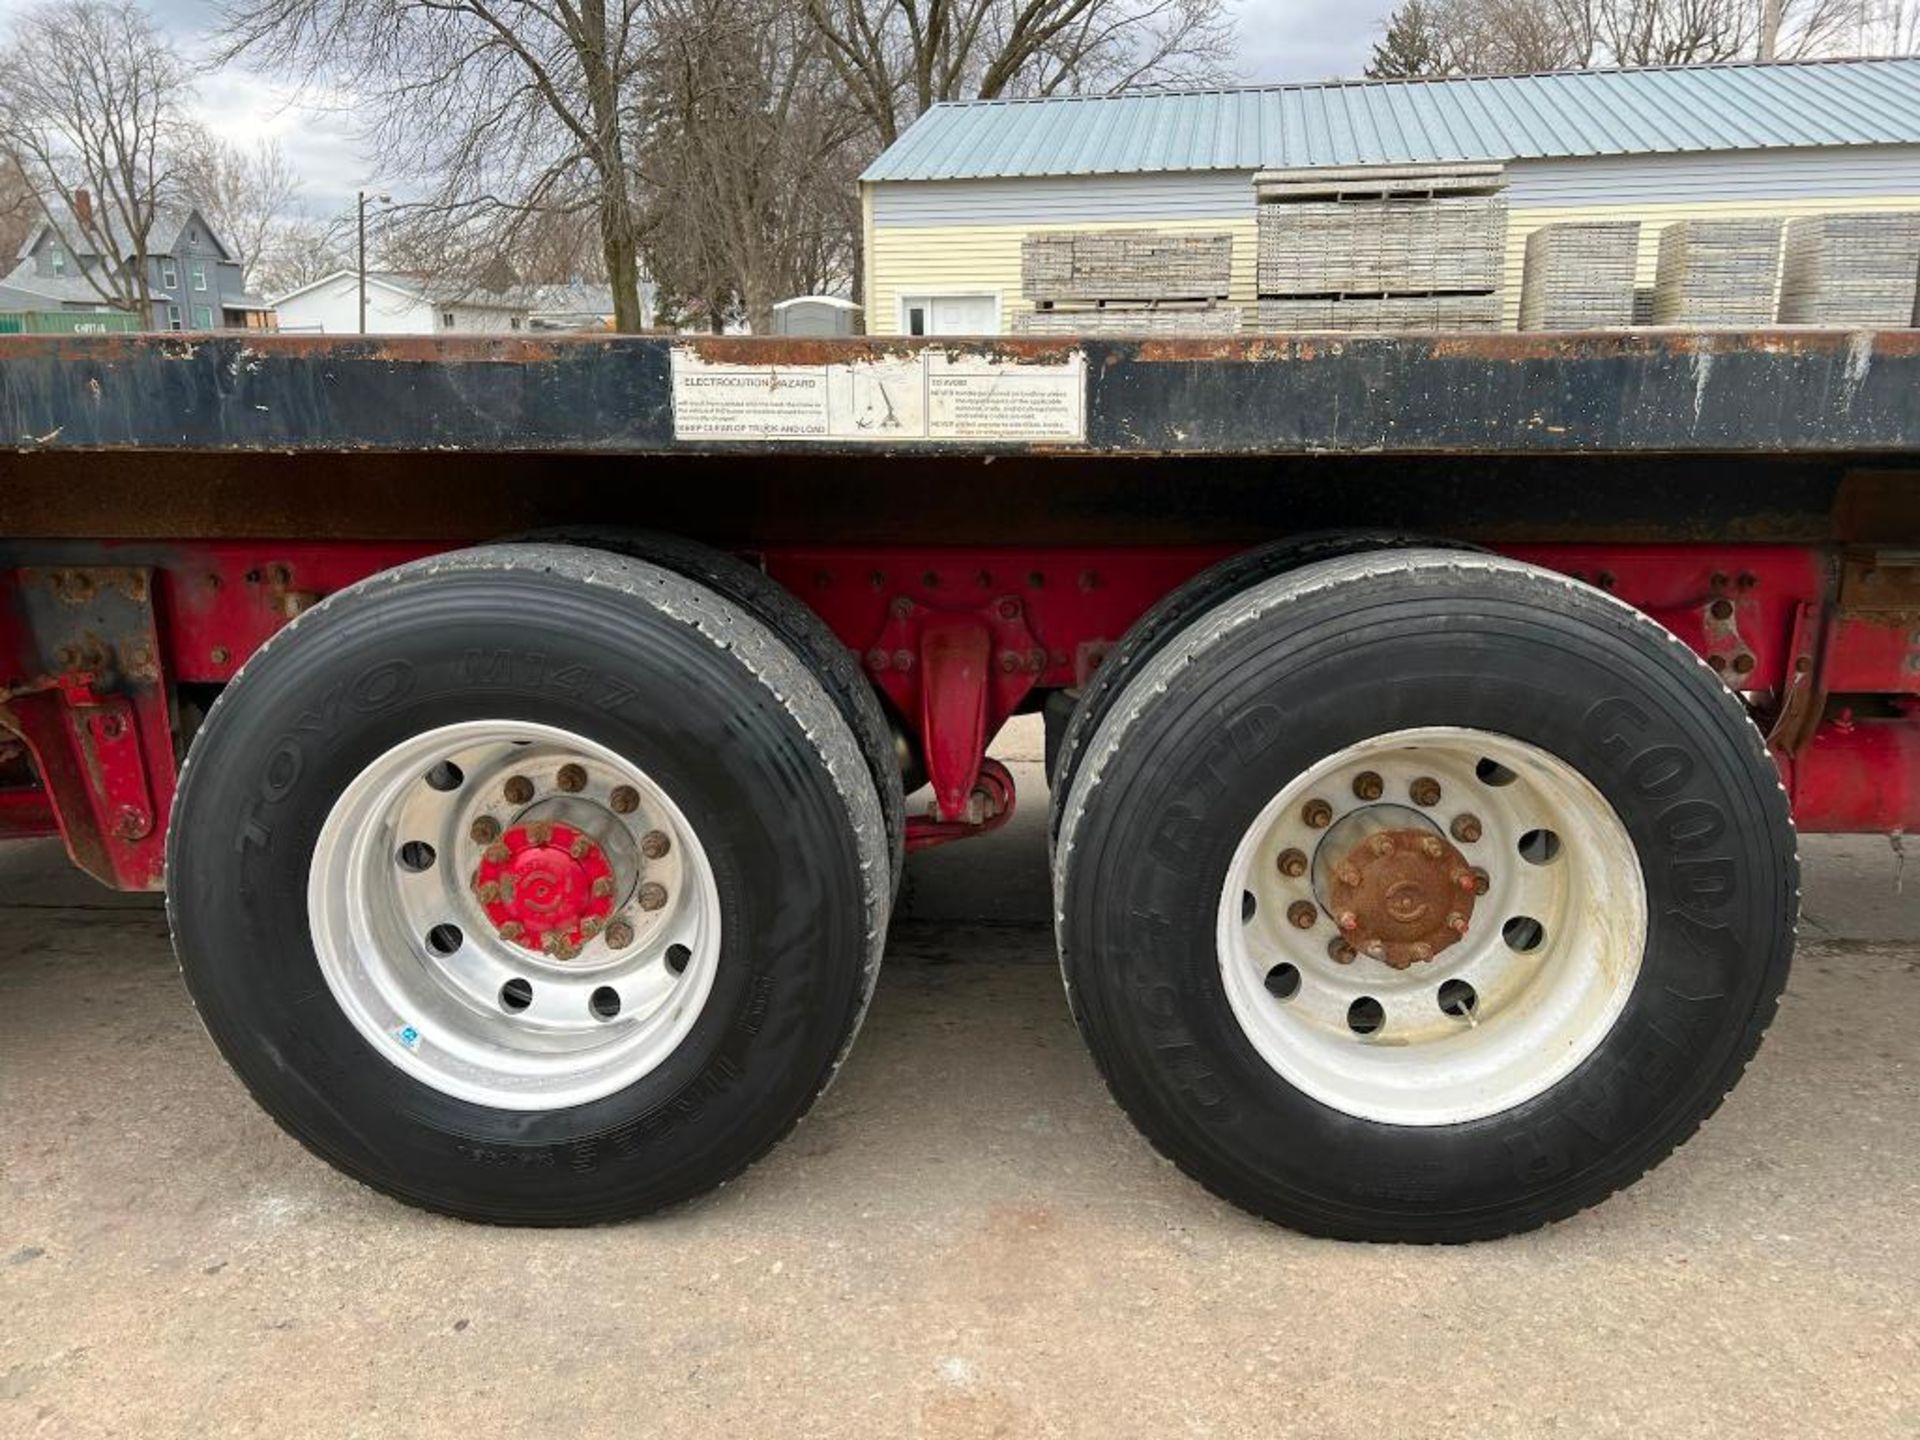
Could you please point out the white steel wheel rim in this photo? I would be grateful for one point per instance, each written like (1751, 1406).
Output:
(1529, 1016)
(468, 1010)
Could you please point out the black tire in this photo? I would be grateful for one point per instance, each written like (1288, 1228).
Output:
(1297, 668)
(804, 632)
(701, 696)
(1171, 614)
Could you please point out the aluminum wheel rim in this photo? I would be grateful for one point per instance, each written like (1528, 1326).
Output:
(416, 952)
(1549, 957)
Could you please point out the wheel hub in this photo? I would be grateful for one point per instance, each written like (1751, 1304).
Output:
(1399, 893)
(547, 887)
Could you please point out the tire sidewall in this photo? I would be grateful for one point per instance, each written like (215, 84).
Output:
(1667, 752)
(394, 661)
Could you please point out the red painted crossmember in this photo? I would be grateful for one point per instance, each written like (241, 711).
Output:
(545, 886)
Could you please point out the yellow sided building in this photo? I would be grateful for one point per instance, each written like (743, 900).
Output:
(948, 208)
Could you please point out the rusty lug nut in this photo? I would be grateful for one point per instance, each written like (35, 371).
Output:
(1340, 952)
(1292, 864)
(518, 789)
(1457, 923)
(1301, 914)
(591, 925)
(624, 800)
(1481, 881)
(1420, 950)
(1461, 880)
(654, 844)
(1465, 828)
(512, 930)
(580, 846)
(498, 853)
(1431, 847)
(619, 934)
(603, 887)
(1381, 844)
(1348, 876)
(652, 896)
(1721, 609)
(572, 778)
(1425, 791)
(540, 832)
(488, 891)
(1317, 813)
(1368, 786)
(1375, 949)
(506, 888)
(485, 830)
(1349, 922)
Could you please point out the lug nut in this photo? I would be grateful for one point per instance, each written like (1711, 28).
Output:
(1481, 881)
(591, 925)
(498, 853)
(1340, 952)
(1420, 950)
(654, 844)
(1465, 828)
(518, 790)
(1431, 847)
(652, 896)
(1376, 949)
(512, 930)
(1368, 786)
(488, 892)
(540, 832)
(603, 887)
(1381, 844)
(1425, 791)
(572, 778)
(1462, 880)
(1349, 921)
(506, 888)
(1457, 923)
(1317, 813)
(485, 830)
(1348, 876)
(619, 934)
(624, 800)
(581, 845)
(1301, 914)
(1292, 863)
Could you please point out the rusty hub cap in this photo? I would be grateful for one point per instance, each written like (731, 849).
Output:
(550, 891)
(1402, 889)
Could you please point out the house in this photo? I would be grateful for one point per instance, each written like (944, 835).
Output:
(398, 304)
(193, 279)
(948, 208)
(816, 315)
(576, 305)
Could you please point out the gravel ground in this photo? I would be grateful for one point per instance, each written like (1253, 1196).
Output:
(965, 1239)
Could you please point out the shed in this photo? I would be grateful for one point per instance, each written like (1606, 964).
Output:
(948, 207)
(816, 315)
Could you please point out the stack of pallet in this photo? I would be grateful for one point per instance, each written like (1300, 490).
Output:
(1383, 248)
(1135, 282)
(1856, 269)
(1579, 276)
(1716, 272)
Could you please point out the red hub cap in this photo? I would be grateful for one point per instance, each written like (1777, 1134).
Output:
(545, 886)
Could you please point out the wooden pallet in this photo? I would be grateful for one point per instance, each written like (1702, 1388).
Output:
(1579, 276)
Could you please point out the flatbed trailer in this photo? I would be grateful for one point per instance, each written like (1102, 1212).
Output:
(521, 727)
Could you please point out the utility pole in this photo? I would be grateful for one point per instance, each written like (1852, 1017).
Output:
(384, 200)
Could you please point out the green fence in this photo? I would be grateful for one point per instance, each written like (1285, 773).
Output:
(67, 322)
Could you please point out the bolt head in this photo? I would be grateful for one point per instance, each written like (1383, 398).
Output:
(1425, 791)
(1381, 844)
(485, 830)
(1302, 913)
(1341, 953)
(1457, 923)
(580, 846)
(654, 844)
(1292, 864)
(1420, 950)
(619, 934)
(624, 800)
(1375, 949)
(540, 832)
(1465, 828)
(518, 789)
(652, 896)
(488, 891)
(1317, 813)
(603, 887)
(572, 778)
(1368, 786)
(1431, 847)
(1348, 876)
(1482, 882)
(498, 853)
(512, 930)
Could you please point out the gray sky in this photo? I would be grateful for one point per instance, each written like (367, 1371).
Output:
(1280, 40)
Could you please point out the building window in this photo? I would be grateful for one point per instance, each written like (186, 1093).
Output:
(446, 319)
(197, 272)
(203, 317)
(57, 258)
(169, 273)
(173, 317)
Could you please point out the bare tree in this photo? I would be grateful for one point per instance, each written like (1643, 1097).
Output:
(301, 249)
(505, 112)
(17, 210)
(897, 57)
(90, 101)
(246, 195)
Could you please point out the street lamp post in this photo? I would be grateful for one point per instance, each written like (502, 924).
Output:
(384, 200)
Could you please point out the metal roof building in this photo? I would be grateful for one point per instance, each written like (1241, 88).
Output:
(950, 208)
